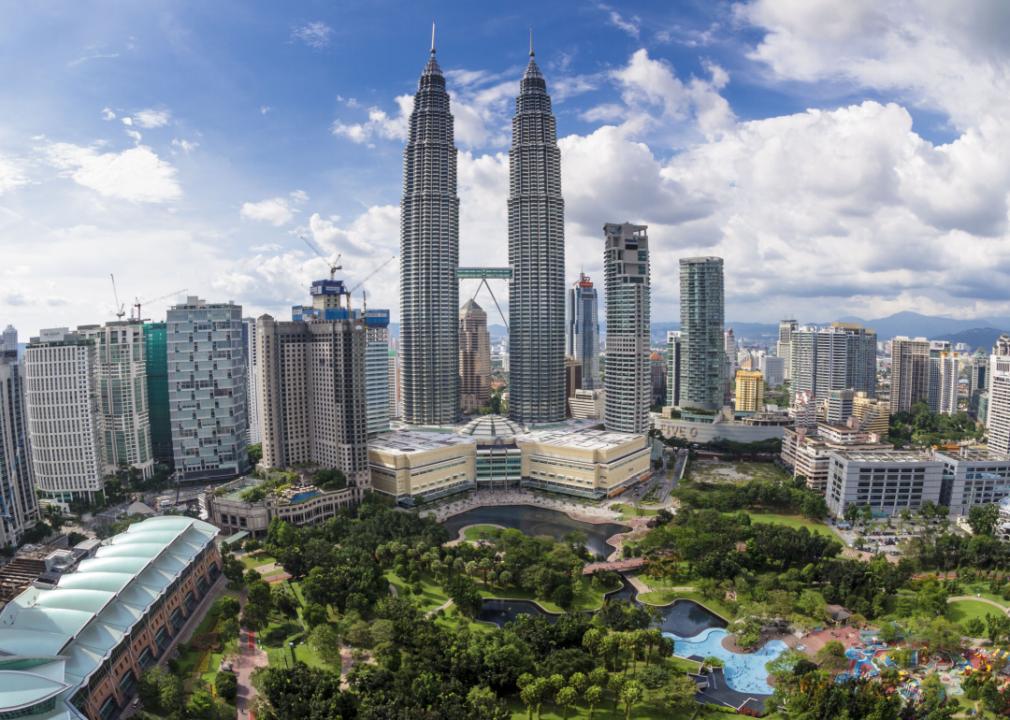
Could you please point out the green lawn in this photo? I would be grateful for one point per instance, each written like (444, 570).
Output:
(793, 521)
(963, 610)
(431, 596)
(982, 590)
(733, 472)
(253, 561)
(627, 511)
(664, 592)
(453, 618)
(474, 533)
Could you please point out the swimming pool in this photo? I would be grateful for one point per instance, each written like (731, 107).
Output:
(744, 672)
(303, 496)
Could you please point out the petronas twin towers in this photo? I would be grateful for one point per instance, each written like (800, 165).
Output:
(429, 252)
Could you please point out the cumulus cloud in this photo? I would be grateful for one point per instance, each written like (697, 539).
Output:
(276, 210)
(152, 118)
(136, 174)
(315, 34)
(11, 174)
(378, 125)
(185, 146)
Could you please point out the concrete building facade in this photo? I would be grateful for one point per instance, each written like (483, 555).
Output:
(889, 481)
(474, 358)
(750, 391)
(998, 405)
(628, 378)
(842, 356)
(783, 347)
(674, 358)
(909, 373)
(64, 421)
(252, 368)
(19, 508)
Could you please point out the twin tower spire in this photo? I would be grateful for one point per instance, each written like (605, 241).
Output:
(429, 252)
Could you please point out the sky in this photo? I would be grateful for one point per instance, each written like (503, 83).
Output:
(845, 159)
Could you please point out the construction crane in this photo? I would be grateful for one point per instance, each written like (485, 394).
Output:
(334, 264)
(367, 277)
(120, 308)
(137, 302)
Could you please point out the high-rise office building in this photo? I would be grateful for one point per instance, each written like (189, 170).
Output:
(159, 414)
(429, 258)
(377, 370)
(474, 358)
(9, 340)
(395, 401)
(729, 344)
(839, 406)
(657, 371)
(998, 407)
(207, 390)
(19, 508)
(783, 348)
(909, 373)
(536, 213)
(833, 358)
(251, 363)
(978, 375)
(628, 380)
(773, 368)
(750, 391)
(673, 360)
(64, 422)
(582, 341)
(702, 367)
(312, 379)
(121, 369)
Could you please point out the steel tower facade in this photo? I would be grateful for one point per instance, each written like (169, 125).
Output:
(429, 257)
(536, 213)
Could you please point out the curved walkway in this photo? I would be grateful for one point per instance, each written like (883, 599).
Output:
(958, 598)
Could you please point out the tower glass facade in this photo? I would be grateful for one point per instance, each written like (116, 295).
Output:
(702, 367)
(536, 213)
(156, 355)
(474, 358)
(429, 257)
(582, 342)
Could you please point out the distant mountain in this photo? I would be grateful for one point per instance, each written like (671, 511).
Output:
(915, 324)
(976, 338)
(743, 331)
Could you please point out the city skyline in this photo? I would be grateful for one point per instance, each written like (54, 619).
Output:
(212, 183)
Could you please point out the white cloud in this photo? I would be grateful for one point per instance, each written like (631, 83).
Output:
(264, 109)
(314, 34)
(630, 25)
(136, 174)
(152, 118)
(276, 210)
(186, 146)
(108, 114)
(11, 174)
(378, 125)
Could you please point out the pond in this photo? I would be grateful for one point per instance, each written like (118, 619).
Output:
(686, 618)
(744, 672)
(499, 612)
(538, 521)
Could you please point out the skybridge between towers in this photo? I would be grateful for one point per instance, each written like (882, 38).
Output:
(484, 274)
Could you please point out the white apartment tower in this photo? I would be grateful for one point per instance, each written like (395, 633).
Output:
(628, 380)
(833, 358)
(998, 417)
(64, 423)
(207, 389)
(673, 360)
(252, 365)
(782, 348)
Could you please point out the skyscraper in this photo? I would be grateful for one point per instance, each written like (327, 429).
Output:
(833, 358)
(673, 359)
(998, 411)
(945, 372)
(19, 508)
(121, 371)
(64, 422)
(429, 257)
(156, 357)
(207, 390)
(9, 340)
(377, 370)
(702, 367)
(251, 364)
(474, 358)
(977, 382)
(628, 379)
(909, 373)
(729, 344)
(782, 348)
(536, 214)
(582, 340)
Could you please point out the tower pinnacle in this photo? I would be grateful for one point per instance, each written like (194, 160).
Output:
(531, 41)
(432, 37)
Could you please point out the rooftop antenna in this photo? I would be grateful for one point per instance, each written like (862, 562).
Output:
(432, 37)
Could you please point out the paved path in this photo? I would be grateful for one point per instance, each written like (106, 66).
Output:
(250, 657)
(615, 565)
(444, 606)
(1002, 608)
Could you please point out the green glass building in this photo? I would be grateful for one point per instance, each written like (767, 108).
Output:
(156, 345)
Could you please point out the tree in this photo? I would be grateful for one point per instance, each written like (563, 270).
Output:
(565, 699)
(226, 685)
(485, 705)
(832, 656)
(593, 696)
(160, 690)
(533, 694)
(680, 694)
(201, 706)
(631, 694)
(325, 640)
(941, 636)
(983, 518)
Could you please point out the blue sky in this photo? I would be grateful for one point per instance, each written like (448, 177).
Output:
(845, 159)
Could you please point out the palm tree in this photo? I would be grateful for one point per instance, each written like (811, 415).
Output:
(565, 699)
(594, 693)
(631, 694)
